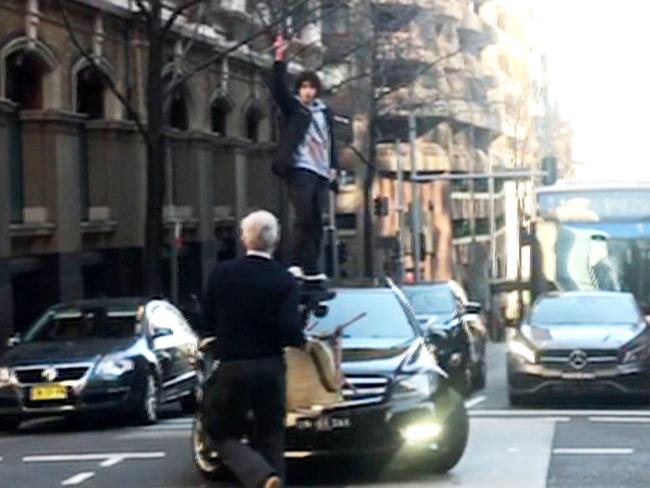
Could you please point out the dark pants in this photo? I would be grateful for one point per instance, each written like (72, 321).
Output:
(237, 390)
(307, 192)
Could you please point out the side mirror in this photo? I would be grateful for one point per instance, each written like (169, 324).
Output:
(14, 340)
(472, 308)
(162, 332)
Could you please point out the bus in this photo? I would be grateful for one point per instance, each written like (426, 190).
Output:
(592, 237)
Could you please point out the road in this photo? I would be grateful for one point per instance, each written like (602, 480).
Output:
(556, 446)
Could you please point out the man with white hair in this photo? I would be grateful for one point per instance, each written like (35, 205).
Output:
(251, 306)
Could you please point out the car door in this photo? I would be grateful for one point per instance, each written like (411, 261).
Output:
(173, 343)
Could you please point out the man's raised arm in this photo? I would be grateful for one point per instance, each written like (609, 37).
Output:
(279, 87)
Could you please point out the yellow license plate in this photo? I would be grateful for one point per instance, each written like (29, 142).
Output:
(48, 392)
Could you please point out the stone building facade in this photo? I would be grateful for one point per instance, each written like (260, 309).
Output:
(72, 168)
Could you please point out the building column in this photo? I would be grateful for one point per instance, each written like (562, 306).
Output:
(51, 152)
(6, 294)
(203, 201)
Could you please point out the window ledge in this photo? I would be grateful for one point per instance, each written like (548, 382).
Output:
(32, 229)
(98, 226)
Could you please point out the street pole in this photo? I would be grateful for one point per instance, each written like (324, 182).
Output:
(493, 238)
(174, 238)
(416, 225)
(333, 237)
(400, 211)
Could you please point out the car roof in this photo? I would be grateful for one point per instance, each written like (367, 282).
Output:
(365, 290)
(110, 303)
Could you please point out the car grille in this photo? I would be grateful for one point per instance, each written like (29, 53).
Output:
(595, 357)
(34, 374)
(364, 390)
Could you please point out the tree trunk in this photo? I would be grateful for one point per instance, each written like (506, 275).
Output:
(154, 230)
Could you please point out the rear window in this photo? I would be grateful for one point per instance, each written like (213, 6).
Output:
(584, 310)
(385, 317)
(431, 300)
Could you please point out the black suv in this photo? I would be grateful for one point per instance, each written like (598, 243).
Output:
(396, 400)
(455, 326)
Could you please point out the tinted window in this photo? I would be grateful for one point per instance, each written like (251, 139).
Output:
(83, 325)
(385, 316)
(585, 310)
(431, 300)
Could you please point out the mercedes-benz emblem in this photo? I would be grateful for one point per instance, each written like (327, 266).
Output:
(578, 359)
(49, 374)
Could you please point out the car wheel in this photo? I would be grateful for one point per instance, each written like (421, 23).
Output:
(206, 459)
(519, 399)
(461, 380)
(479, 376)
(147, 409)
(190, 402)
(453, 441)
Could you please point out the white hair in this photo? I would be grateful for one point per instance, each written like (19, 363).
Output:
(260, 231)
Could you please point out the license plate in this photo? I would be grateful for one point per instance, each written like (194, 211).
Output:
(48, 392)
(323, 424)
(578, 376)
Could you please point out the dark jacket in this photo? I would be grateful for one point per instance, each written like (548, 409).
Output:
(297, 119)
(251, 307)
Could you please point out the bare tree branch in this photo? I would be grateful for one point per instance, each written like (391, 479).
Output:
(177, 12)
(106, 78)
(220, 56)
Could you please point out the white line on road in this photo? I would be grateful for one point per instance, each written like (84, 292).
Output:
(477, 418)
(623, 420)
(472, 402)
(92, 457)
(589, 451)
(111, 461)
(563, 412)
(77, 479)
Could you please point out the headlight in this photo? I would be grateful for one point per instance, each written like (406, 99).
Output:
(522, 350)
(637, 349)
(414, 386)
(6, 376)
(111, 367)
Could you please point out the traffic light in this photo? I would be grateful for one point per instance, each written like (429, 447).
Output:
(549, 165)
(381, 206)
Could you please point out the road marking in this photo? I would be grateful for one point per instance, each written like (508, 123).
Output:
(111, 461)
(513, 450)
(589, 451)
(624, 420)
(77, 479)
(560, 412)
(548, 418)
(53, 458)
(472, 402)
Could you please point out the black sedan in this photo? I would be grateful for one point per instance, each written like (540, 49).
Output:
(123, 356)
(395, 402)
(578, 343)
(456, 328)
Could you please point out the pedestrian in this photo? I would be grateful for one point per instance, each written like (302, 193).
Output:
(306, 158)
(251, 306)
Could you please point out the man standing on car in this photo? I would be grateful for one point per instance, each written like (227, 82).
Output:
(306, 157)
(251, 306)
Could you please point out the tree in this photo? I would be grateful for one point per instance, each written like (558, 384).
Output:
(160, 20)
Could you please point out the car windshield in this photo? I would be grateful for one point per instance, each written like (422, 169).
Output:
(385, 317)
(431, 300)
(584, 310)
(84, 325)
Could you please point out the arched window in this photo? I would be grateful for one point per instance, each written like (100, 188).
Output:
(219, 111)
(91, 89)
(253, 119)
(24, 79)
(178, 114)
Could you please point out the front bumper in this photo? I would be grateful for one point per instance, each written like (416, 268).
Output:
(358, 430)
(539, 379)
(82, 397)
